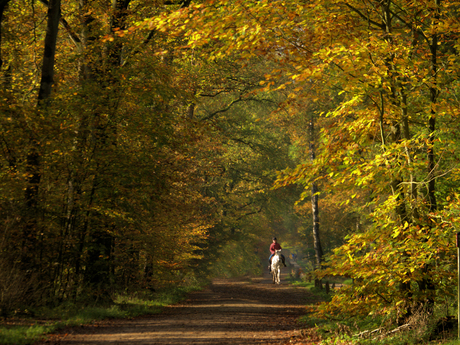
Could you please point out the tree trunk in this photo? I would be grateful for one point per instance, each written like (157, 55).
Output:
(426, 284)
(33, 157)
(54, 14)
(99, 266)
(432, 119)
(314, 207)
(3, 4)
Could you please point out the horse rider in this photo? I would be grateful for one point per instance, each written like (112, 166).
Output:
(273, 247)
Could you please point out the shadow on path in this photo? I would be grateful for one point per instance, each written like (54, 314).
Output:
(227, 312)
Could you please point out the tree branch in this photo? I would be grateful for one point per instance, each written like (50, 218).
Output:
(239, 99)
(183, 3)
(75, 38)
(248, 214)
(358, 12)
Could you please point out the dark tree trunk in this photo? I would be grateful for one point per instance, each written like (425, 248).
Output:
(52, 28)
(33, 157)
(3, 4)
(99, 266)
(426, 284)
(432, 119)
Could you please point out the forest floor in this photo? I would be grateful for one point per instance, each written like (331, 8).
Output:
(229, 311)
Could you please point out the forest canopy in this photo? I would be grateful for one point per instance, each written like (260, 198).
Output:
(145, 144)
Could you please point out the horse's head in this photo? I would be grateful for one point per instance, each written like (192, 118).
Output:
(277, 251)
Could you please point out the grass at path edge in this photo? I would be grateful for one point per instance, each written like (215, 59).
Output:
(26, 330)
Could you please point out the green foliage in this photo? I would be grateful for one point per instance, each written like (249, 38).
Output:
(23, 335)
(236, 259)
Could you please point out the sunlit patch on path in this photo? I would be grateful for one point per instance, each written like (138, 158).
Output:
(228, 312)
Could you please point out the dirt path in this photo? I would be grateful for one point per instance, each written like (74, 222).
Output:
(228, 312)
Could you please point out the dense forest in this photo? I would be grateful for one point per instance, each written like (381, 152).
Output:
(150, 143)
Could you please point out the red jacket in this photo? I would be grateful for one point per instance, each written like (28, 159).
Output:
(274, 246)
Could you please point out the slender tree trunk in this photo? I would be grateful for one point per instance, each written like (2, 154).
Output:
(432, 119)
(426, 284)
(314, 206)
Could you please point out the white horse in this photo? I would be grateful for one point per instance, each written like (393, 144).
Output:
(276, 267)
